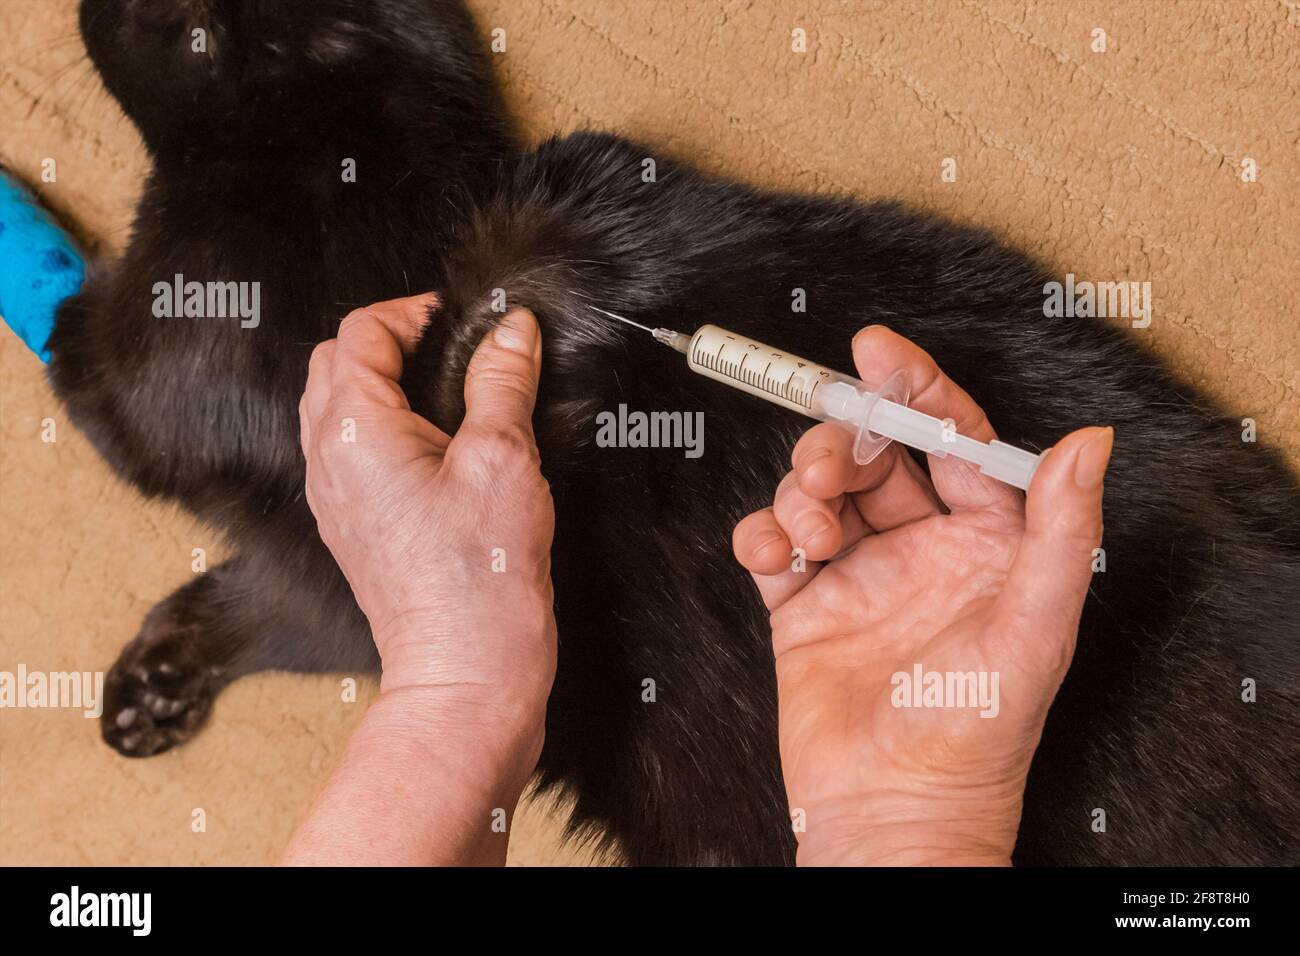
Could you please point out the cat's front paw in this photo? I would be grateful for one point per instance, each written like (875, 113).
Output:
(160, 691)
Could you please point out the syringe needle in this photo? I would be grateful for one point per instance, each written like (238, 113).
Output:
(614, 315)
(674, 340)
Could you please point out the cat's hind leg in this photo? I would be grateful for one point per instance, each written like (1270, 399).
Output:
(225, 624)
(160, 691)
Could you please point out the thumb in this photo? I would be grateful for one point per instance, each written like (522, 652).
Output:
(501, 381)
(1053, 567)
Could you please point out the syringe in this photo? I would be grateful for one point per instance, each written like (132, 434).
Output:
(876, 417)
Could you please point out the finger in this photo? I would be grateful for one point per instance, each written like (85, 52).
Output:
(501, 381)
(878, 353)
(811, 524)
(316, 393)
(365, 364)
(902, 495)
(406, 318)
(776, 589)
(1052, 570)
(304, 425)
(372, 341)
(368, 355)
(760, 545)
(887, 492)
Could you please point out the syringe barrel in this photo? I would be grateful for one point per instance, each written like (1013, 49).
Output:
(746, 364)
(875, 417)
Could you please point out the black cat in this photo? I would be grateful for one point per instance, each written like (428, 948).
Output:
(255, 139)
(248, 140)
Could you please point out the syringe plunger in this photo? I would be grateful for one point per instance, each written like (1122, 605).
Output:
(876, 417)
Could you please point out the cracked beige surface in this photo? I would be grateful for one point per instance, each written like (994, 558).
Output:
(1121, 165)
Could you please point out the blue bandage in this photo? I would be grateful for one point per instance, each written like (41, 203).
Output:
(39, 266)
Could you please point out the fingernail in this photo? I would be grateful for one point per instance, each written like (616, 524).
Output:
(764, 540)
(809, 525)
(517, 332)
(1090, 465)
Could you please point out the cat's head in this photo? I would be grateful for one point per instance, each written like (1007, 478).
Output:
(198, 67)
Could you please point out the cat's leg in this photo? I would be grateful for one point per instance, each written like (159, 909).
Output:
(236, 619)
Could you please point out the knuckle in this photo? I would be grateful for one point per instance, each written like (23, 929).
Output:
(369, 387)
(787, 486)
(508, 376)
(329, 453)
(512, 441)
(331, 449)
(320, 355)
(1077, 532)
(361, 326)
(359, 318)
(792, 621)
(321, 351)
(1084, 538)
(502, 446)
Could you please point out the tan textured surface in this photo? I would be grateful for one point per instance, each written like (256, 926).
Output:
(1122, 165)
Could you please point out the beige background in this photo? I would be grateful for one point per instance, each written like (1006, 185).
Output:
(1122, 165)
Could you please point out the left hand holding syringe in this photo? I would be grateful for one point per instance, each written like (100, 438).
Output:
(900, 573)
(446, 544)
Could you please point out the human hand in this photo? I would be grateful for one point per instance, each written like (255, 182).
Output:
(956, 573)
(415, 518)
(446, 544)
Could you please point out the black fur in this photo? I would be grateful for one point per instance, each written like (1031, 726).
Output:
(1203, 531)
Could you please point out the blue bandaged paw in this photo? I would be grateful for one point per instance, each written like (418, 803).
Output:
(39, 266)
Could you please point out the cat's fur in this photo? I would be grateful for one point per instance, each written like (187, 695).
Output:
(1202, 531)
